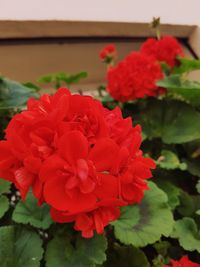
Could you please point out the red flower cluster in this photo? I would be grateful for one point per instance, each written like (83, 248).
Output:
(183, 262)
(80, 158)
(108, 53)
(134, 77)
(165, 50)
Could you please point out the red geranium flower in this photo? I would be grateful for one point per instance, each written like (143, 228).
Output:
(183, 262)
(134, 77)
(108, 53)
(62, 148)
(167, 49)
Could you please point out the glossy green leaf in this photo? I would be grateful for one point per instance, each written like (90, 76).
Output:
(172, 121)
(172, 191)
(4, 205)
(186, 231)
(186, 65)
(126, 256)
(14, 94)
(86, 252)
(29, 212)
(145, 223)
(19, 247)
(182, 89)
(168, 160)
(4, 186)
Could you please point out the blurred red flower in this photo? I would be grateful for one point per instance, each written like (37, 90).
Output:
(134, 77)
(108, 53)
(166, 50)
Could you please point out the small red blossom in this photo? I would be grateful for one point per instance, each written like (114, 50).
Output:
(167, 49)
(134, 77)
(183, 262)
(108, 53)
(62, 147)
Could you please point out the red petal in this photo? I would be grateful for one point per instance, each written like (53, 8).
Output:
(54, 193)
(82, 169)
(38, 191)
(112, 202)
(6, 157)
(87, 186)
(82, 203)
(110, 214)
(73, 146)
(23, 181)
(87, 234)
(61, 104)
(108, 187)
(103, 153)
(121, 161)
(32, 164)
(19, 147)
(71, 182)
(98, 222)
(7, 175)
(83, 222)
(61, 217)
(149, 162)
(50, 167)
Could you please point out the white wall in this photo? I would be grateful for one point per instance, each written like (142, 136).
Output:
(170, 11)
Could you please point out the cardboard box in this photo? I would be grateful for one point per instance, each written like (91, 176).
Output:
(30, 49)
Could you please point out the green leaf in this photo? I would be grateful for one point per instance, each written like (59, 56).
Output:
(29, 212)
(4, 205)
(14, 94)
(46, 78)
(172, 191)
(198, 212)
(4, 186)
(187, 233)
(19, 247)
(196, 201)
(193, 166)
(145, 223)
(187, 205)
(105, 98)
(162, 247)
(32, 85)
(182, 89)
(76, 77)
(60, 77)
(173, 121)
(186, 65)
(169, 161)
(198, 186)
(126, 256)
(165, 68)
(86, 252)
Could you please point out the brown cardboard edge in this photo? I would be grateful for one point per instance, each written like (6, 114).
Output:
(194, 41)
(53, 28)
